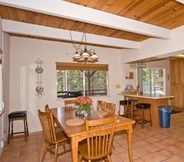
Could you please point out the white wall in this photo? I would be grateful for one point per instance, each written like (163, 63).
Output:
(155, 64)
(157, 48)
(23, 54)
(5, 68)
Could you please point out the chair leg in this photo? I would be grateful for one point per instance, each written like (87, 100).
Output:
(150, 117)
(109, 158)
(27, 131)
(9, 132)
(119, 110)
(126, 110)
(56, 153)
(80, 158)
(12, 128)
(45, 151)
(142, 118)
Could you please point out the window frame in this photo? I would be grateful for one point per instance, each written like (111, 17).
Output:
(140, 80)
(84, 67)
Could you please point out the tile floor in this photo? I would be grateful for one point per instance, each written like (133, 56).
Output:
(149, 145)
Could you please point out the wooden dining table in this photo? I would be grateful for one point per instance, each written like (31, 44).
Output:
(77, 132)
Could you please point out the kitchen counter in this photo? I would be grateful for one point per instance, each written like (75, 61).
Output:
(149, 96)
(154, 100)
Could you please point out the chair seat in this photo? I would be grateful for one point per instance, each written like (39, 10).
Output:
(17, 114)
(83, 149)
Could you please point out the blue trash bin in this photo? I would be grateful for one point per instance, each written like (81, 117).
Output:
(164, 116)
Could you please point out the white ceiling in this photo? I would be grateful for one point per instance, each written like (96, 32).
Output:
(68, 10)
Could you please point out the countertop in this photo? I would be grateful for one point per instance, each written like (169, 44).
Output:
(149, 96)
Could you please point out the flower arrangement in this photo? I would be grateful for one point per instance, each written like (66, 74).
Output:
(83, 103)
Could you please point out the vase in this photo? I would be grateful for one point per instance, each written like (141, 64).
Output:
(82, 113)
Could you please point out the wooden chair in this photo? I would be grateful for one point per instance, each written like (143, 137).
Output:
(56, 124)
(52, 139)
(100, 134)
(70, 104)
(109, 107)
(100, 105)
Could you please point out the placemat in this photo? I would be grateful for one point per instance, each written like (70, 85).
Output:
(74, 122)
(100, 113)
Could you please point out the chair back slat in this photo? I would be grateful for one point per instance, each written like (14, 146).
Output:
(100, 105)
(109, 107)
(47, 123)
(100, 134)
(70, 104)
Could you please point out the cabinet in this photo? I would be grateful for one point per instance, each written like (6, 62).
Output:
(177, 82)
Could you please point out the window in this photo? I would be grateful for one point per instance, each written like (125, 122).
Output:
(152, 80)
(81, 79)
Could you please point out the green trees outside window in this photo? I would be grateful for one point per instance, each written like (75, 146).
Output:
(152, 80)
(74, 80)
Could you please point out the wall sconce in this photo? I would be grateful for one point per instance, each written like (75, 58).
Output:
(39, 70)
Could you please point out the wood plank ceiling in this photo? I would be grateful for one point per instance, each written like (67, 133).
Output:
(168, 14)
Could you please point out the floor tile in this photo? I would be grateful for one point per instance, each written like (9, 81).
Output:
(149, 145)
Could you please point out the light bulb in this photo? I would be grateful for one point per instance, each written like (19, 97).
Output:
(77, 55)
(85, 55)
(94, 56)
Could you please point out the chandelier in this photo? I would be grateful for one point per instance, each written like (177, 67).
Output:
(84, 55)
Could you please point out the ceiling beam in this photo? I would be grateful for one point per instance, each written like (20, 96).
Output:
(15, 27)
(72, 11)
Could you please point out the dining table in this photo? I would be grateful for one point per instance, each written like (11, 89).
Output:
(74, 127)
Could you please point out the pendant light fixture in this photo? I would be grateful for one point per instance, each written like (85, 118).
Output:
(83, 55)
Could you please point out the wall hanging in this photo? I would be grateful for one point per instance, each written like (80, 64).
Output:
(39, 70)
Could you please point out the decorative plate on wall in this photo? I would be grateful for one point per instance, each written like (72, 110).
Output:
(39, 89)
(39, 70)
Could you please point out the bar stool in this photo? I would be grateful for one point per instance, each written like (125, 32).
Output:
(122, 103)
(14, 116)
(143, 107)
(130, 109)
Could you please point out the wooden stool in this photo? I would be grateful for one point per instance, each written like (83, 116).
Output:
(130, 109)
(142, 107)
(17, 115)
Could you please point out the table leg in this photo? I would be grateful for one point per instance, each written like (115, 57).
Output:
(74, 149)
(129, 138)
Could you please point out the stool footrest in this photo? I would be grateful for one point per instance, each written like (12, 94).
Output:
(139, 121)
(17, 132)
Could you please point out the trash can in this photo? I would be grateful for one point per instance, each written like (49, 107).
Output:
(164, 116)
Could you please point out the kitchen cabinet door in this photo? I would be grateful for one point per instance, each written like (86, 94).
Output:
(177, 71)
(178, 91)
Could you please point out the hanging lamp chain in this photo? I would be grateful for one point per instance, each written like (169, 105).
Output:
(77, 46)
